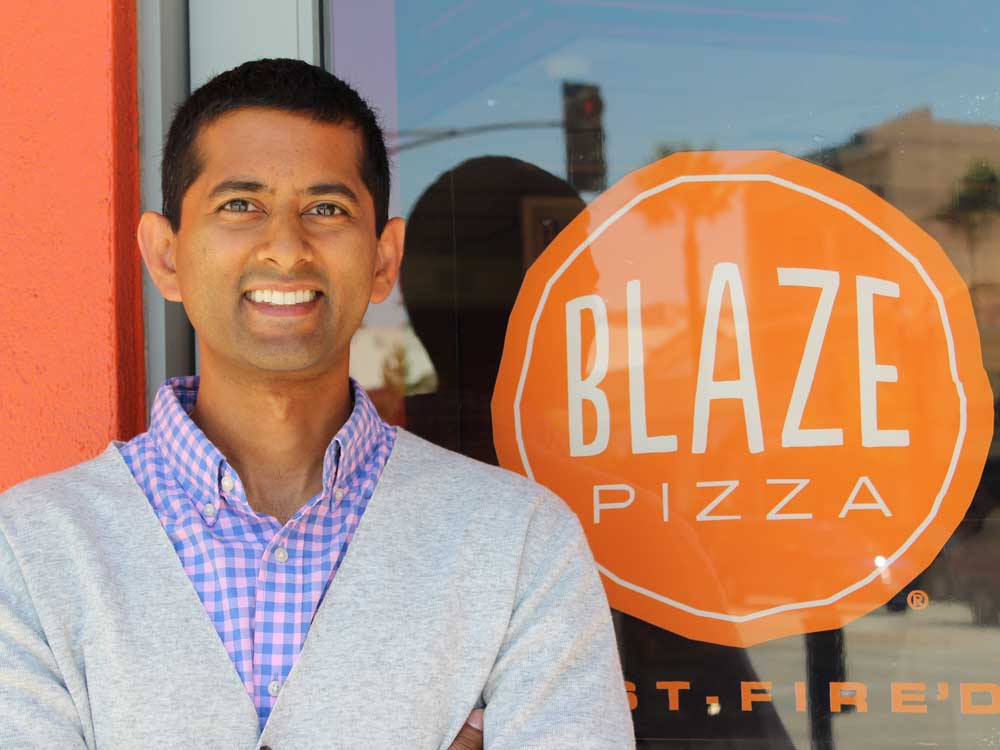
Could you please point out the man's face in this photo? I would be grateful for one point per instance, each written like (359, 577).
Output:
(276, 257)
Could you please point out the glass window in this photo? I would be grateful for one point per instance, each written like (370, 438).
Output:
(484, 100)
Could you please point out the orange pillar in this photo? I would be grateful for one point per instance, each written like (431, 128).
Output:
(71, 347)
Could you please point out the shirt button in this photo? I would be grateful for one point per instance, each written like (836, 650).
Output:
(228, 483)
(208, 510)
(281, 554)
(339, 494)
(274, 687)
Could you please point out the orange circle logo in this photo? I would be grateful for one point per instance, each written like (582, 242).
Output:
(759, 386)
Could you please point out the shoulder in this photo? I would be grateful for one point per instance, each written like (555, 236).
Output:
(72, 496)
(423, 462)
(453, 482)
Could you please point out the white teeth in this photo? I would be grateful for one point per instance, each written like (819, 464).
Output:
(274, 297)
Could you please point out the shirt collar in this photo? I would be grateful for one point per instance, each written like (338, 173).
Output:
(205, 473)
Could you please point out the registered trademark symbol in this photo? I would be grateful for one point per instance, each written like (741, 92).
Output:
(918, 599)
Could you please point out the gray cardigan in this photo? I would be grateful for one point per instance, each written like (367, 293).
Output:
(464, 583)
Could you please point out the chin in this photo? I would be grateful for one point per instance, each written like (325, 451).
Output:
(287, 363)
(302, 369)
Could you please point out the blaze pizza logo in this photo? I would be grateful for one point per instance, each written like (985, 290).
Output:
(760, 387)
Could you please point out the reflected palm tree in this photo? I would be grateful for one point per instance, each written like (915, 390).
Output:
(717, 199)
(974, 205)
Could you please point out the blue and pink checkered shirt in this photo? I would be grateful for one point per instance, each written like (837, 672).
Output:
(260, 582)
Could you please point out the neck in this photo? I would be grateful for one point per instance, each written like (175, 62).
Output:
(274, 433)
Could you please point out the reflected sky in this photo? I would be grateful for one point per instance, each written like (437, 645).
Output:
(755, 75)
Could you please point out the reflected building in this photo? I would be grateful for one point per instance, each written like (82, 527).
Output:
(920, 164)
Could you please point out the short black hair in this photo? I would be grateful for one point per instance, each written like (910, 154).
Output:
(282, 84)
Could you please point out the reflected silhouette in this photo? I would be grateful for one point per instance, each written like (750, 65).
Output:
(470, 238)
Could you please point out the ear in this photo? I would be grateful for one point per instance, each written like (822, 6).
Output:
(157, 242)
(388, 257)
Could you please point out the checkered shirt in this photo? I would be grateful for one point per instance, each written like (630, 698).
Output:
(260, 582)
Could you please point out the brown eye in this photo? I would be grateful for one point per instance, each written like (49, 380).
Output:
(238, 205)
(326, 209)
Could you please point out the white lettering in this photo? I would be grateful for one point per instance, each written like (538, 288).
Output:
(621, 496)
(726, 276)
(641, 440)
(599, 506)
(586, 389)
(730, 485)
(871, 373)
(792, 434)
(775, 513)
(878, 504)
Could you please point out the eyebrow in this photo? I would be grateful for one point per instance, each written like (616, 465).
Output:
(238, 186)
(252, 186)
(333, 188)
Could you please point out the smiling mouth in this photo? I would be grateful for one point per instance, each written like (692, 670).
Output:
(278, 298)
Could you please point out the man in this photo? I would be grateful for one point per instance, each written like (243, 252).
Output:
(269, 496)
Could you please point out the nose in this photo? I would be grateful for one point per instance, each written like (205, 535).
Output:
(285, 244)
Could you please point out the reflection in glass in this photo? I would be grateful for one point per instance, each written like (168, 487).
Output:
(901, 97)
